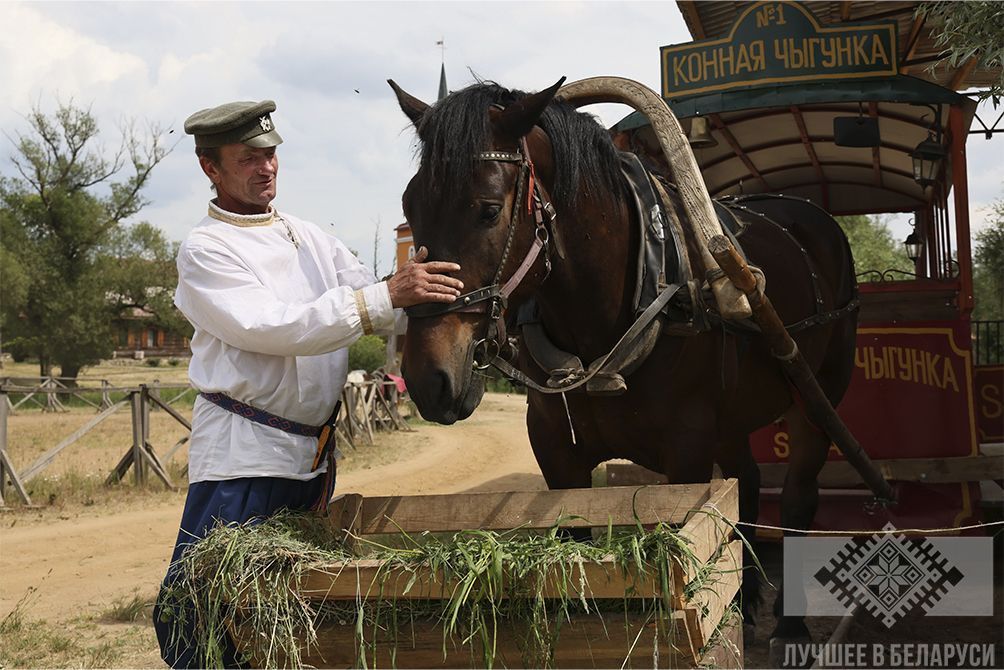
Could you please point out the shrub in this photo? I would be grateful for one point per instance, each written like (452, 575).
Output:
(153, 362)
(367, 353)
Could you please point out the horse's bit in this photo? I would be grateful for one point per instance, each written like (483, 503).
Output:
(492, 299)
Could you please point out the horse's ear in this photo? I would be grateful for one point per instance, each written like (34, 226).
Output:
(520, 117)
(413, 108)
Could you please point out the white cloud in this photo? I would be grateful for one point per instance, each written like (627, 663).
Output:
(43, 55)
(347, 155)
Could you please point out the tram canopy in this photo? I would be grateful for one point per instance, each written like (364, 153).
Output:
(806, 65)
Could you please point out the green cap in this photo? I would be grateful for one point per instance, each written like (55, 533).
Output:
(249, 123)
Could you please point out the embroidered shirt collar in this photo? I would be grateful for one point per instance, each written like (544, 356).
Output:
(241, 220)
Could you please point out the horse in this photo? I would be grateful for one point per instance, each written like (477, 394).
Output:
(502, 171)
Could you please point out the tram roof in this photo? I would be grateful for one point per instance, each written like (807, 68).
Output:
(779, 137)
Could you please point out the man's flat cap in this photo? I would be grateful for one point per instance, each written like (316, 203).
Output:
(249, 123)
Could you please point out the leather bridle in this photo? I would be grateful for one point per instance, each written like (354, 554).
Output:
(493, 299)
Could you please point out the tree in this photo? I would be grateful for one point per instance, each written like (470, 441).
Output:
(969, 30)
(70, 264)
(988, 268)
(873, 246)
(368, 353)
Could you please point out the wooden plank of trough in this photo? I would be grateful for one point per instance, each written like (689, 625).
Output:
(372, 579)
(728, 650)
(531, 509)
(716, 597)
(618, 640)
(706, 531)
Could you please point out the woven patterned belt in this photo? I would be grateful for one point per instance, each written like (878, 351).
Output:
(264, 418)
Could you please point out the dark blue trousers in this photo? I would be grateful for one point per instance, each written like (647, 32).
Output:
(232, 500)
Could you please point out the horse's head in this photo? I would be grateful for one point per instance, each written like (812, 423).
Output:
(481, 186)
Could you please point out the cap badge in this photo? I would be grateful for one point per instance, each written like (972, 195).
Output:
(265, 123)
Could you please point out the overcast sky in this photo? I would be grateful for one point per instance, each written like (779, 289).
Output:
(348, 150)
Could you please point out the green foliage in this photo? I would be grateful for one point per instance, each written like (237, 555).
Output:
(495, 382)
(71, 266)
(969, 29)
(368, 353)
(988, 268)
(873, 247)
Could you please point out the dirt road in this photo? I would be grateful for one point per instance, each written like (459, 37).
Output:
(80, 562)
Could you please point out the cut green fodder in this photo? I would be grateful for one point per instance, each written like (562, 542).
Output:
(530, 583)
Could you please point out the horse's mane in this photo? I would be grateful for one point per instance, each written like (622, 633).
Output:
(456, 128)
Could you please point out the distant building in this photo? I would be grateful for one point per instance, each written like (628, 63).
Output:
(138, 336)
(405, 244)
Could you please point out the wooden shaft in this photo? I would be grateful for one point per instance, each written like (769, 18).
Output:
(783, 347)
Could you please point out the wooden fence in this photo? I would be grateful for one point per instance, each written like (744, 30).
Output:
(367, 407)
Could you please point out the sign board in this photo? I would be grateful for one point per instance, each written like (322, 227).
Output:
(779, 42)
(911, 396)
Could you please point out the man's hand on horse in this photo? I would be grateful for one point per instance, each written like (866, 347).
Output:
(419, 282)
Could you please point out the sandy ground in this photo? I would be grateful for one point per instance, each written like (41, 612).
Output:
(78, 562)
(74, 562)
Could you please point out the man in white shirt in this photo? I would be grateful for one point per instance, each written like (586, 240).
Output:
(275, 303)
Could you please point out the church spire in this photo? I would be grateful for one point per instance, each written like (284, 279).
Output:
(443, 90)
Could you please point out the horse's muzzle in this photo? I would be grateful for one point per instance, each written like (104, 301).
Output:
(443, 394)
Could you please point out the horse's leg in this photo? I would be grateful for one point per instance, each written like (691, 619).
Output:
(736, 460)
(799, 500)
(564, 464)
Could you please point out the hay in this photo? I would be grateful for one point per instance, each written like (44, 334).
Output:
(251, 570)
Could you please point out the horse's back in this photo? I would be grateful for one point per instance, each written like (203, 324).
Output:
(817, 232)
(810, 272)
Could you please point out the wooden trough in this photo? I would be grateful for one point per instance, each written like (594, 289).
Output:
(691, 635)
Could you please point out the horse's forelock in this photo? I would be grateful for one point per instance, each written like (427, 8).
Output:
(456, 128)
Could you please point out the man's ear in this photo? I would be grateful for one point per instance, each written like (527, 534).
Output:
(211, 169)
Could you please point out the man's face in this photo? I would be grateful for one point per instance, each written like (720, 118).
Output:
(245, 178)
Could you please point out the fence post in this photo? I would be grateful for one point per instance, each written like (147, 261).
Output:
(106, 399)
(7, 470)
(50, 406)
(3, 444)
(138, 463)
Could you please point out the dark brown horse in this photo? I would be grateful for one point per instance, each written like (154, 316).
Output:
(696, 398)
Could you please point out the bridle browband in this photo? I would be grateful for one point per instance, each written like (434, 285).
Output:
(493, 299)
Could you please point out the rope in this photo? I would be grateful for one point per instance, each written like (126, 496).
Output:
(569, 415)
(883, 531)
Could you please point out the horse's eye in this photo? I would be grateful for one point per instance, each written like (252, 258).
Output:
(490, 212)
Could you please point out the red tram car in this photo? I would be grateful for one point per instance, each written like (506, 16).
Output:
(834, 102)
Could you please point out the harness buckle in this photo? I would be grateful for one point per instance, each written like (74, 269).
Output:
(497, 308)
